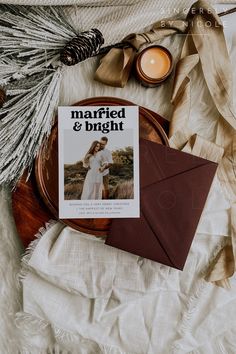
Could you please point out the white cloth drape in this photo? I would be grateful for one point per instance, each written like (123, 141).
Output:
(80, 293)
(87, 299)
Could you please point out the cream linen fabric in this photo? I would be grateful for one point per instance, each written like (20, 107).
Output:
(83, 294)
(89, 298)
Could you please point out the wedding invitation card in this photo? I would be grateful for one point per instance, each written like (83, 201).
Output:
(98, 162)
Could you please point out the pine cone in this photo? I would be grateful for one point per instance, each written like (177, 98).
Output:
(85, 45)
(3, 96)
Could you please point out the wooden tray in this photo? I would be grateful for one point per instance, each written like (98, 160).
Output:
(45, 180)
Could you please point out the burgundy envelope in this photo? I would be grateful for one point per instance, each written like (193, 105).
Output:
(174, 189)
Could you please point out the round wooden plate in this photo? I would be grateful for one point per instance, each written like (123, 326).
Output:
(29, 198)
(46, 167)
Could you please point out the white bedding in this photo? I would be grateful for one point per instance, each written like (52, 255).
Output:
(155, 309)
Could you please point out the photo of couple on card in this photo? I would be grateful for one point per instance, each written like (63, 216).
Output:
(101, 173)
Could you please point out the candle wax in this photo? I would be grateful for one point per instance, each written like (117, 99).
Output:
(155, 63)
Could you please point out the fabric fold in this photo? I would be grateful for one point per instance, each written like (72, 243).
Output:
(117, 61)
(204, 43)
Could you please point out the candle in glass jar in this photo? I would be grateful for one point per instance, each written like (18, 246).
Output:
(153, 65)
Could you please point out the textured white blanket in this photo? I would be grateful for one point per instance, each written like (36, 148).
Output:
(87, 304)
(80, 293)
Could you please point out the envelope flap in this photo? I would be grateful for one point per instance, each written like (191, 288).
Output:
(159, 162)
(173, 207)
(136, 236)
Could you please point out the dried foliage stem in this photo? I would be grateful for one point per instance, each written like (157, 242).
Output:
(30, 71)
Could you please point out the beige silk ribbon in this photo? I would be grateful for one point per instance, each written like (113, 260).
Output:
(208, 46)
(222, 268)
(115, 67)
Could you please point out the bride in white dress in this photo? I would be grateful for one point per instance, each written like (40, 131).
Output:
(93, 183)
